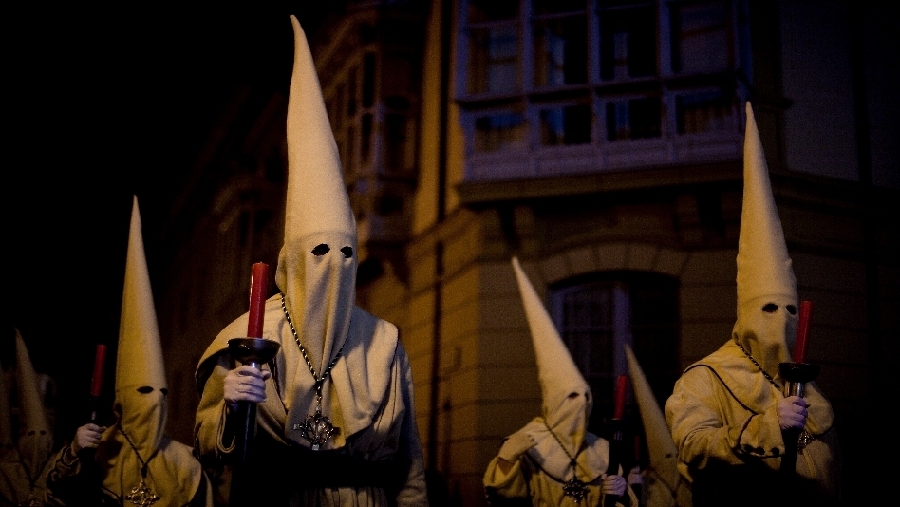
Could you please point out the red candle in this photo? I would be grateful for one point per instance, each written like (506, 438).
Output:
(97, 379)
(802, 331)
(621, 391)
(257, 299)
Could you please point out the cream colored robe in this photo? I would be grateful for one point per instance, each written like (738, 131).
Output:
(368, 396)
(722, 412)
(174, 475)
(16, 487)
(541, 473)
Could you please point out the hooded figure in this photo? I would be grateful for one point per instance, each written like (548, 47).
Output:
(134, 460)
(24, 457)
(664, 485)
(554, 459)
(727, 411)
(339, 409)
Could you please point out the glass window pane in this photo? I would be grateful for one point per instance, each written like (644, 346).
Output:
(368, 79)
(634, 119)
(351, 92)
(480, 11)
(597, 316)
(566, 125)
(703, 112)
(389, 203)
(366, 138)
(350, 164)
(587, 328)
(557, 6)
(702, 37)
(560, 50)
(500, 131)
(627, 43)
(395, 143)
(493, 60)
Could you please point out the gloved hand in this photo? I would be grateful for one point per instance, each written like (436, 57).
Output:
(792, 412)
(613, 485)
(246, 383)
(87, 436)
(515, 446)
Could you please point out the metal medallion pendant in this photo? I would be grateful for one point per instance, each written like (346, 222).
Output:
(317, 429)
(575, 489)
(142, 496)
(803, 440)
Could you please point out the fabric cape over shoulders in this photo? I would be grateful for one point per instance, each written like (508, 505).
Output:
(360, 378)
(722, 415)
(734, 370)
(540, 476)
(548, 454)
(173, 472)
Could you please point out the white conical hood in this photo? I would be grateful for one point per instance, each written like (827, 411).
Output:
(35, 435)
(139, 365)
(31, 403)
(665, 486)
(317, 195)
(764, 269)
(317, 265)
(565, 394)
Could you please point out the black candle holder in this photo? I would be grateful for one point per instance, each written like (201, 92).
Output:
(253, 352)
(796, 375)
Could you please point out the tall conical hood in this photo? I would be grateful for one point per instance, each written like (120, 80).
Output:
(565, 393)
(660, 446)
(35, 435)
(317, 265)
(31, 403)
(140, 359)
(140, 373)
(764, 266)
(764, 269)
(317, 195)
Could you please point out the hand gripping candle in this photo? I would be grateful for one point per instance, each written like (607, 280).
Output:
(253, 351)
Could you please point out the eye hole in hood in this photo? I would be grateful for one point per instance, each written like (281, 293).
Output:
(772, 308)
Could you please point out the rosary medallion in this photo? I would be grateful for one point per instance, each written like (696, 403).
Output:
(317, 429)
(575, 489)
(142, 496)
(803, 440)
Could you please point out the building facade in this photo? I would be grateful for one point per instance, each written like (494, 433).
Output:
(600, 142)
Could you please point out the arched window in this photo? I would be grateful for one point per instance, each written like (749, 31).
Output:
(598, 314)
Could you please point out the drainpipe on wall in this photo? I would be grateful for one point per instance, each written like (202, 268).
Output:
(434, 401)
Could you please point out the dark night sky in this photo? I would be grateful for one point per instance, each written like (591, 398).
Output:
(101, 105)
